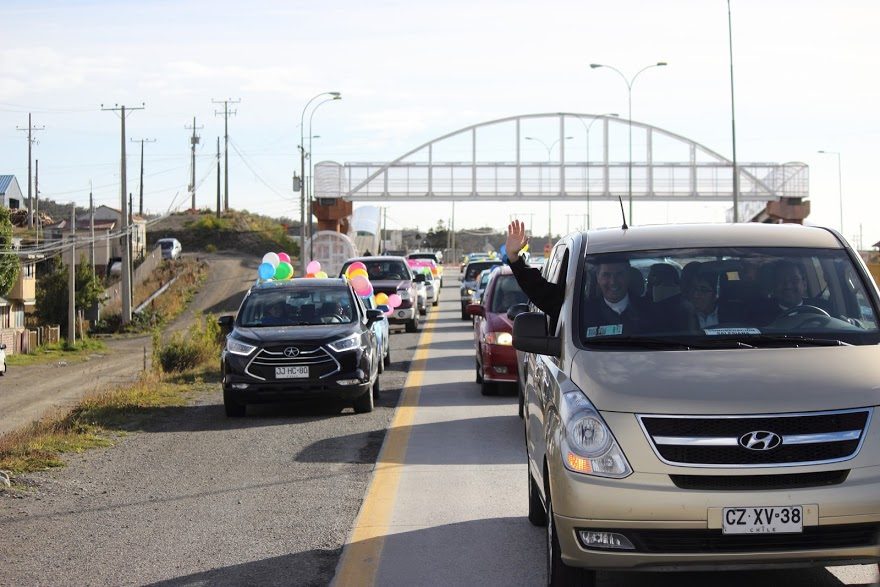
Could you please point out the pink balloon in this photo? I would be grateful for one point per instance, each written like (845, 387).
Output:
(356, 265)
(284, 257)
(394, 300)
(360, 283)
(313, 267)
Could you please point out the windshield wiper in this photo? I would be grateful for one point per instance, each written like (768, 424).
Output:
(797, 339)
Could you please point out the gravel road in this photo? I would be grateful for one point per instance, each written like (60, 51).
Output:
(194, 498)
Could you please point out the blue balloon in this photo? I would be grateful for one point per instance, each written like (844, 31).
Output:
(503, 253)
(266, 271)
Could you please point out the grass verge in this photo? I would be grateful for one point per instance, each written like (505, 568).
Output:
(80, 351)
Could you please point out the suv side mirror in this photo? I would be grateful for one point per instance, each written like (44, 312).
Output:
(225, 323)
(374, 315)
(530, 335)
(420, 278)
(516, 309)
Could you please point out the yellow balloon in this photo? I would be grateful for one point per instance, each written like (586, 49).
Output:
(321, 275)
(357, 272)
(525, 249)
(381, 298)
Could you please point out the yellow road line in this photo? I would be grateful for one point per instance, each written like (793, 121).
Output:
(361, 555)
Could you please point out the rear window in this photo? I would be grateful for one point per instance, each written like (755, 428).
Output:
(506, 293)
(474, 269)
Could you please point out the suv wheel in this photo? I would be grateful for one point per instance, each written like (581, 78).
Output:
(488, 388)
(464, 314)
(381, 367)
(364, 403)
(234, 408)
(537, 513)
(387, 360)
(413, 325)
(559, 573)
(376, 389)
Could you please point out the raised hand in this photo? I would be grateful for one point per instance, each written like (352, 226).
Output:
(516, 239)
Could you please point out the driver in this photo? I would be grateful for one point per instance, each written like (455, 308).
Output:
(789, 292)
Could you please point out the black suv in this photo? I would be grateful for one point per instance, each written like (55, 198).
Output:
(300, 339)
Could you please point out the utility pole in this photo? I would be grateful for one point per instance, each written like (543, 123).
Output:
(37, 198)
(71, 283)
(226, 114)
(142, 141)
(193, 141)
(91, 228)
(218, 177)
(30, 129)
(125, 238)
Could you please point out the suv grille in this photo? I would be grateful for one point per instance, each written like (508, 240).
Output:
(759, 482)
(799, 439)
(320, 363)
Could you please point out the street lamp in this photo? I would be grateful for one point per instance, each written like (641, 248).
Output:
(311, 181)
(302, 171)
(541, 180)
(587, 128)
(629, 84)
(839, 186)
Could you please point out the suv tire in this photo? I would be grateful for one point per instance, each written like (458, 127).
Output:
(488, 388)
(537, 513)
(234, 408)
(387, 360)
(413, 325)
(479, 372)
(559, 573)
(364, 403)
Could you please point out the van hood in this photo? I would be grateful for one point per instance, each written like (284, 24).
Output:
(389, 286)
(729, 381)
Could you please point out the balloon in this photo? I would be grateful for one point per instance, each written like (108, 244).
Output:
(394, 300)
(356, 265)
(359, 272)
(284, 257)
(321, 275)
(381, 299)
(272, 259)
(366, 291)
(310, 274)
(266, 271)
(313, 267)
(359, 283)
(525, 249)
(283, 271)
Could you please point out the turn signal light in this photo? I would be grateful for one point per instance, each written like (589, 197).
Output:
(579, 463)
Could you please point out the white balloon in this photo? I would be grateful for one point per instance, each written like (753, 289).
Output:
(272, 259)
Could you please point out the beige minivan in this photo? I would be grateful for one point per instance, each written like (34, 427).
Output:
(704, 400)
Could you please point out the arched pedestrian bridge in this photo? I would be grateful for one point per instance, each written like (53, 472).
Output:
(560, 156)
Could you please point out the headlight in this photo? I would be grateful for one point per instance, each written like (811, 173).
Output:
(468, 291)
(346, 344)
(403, 293)
(589, 447)
(502, 338)
(236, 347)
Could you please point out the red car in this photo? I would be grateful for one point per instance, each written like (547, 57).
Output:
(496, 357)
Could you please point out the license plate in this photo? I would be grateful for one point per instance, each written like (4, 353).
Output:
(763, 520)
(291, 372)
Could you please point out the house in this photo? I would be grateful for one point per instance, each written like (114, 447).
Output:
(20, 300)
(10, 193)
(108, 222)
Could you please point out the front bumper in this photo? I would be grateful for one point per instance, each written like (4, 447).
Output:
(293, 390)
(680, 529)
(402, 315)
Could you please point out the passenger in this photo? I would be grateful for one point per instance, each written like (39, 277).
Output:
(274, 314)
(701, 290)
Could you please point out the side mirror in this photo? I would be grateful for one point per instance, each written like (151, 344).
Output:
(530, 335)
(374, 315)
(516, 309)
(384, 308)
(420, 278)
(225, 323)
(2, 346)
(476, 310)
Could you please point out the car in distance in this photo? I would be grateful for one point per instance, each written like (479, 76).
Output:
(171, 247)
(303, 338)
(469, 282)
(381, 329)
(729, 424)
(496, 360)
(436, 260)
(391, 275)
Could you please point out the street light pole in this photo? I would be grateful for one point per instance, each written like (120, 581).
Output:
(629, 84)
(587, 128)
(839, 186)
(302, 171)
(311, 179)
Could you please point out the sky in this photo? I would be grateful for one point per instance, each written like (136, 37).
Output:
(412, 71)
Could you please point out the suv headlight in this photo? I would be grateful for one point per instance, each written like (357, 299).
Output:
(403, 293)
(500, 338)
(236, 347)
(589, 447)
(346, 344)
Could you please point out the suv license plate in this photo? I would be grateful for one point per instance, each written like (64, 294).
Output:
(763, 520)
(291, 372)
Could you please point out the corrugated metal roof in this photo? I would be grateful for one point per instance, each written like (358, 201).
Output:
(5, 180)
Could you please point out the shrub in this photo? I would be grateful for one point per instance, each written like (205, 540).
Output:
(210, 248)
(198, 346)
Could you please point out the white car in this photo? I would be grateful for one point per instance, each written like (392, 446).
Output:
(171, 248)
(2, 359)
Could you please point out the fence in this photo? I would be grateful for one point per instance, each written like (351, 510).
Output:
(20, 340)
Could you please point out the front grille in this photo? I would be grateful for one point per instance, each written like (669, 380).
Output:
(759, 482)
(708, 541)
(707, 441)
(319, 362)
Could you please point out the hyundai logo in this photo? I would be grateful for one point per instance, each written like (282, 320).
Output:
(291, 352)
(760, 440)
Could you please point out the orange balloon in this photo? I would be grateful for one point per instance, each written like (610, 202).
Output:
(356, 272)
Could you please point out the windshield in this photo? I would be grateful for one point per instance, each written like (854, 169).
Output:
(474, 269)
(505, 294)
(303, 307)
(743, 294)
(166, 244)
(384, 269)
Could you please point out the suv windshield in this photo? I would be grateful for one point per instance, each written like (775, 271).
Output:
(758, 295)
(300, 307)
(384, 269)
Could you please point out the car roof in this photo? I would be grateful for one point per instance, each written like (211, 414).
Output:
(750, 234)
(376, 258)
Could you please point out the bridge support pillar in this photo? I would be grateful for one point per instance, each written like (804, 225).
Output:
(332, 214)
